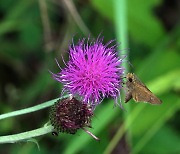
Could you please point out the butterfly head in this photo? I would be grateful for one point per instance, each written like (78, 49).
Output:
(130, 77)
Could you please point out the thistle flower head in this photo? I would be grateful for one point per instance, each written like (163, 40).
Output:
(92, 72)
(68, 115)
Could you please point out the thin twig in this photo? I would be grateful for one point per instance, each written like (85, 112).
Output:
(46, 25)
(74, 13)
(91, 134)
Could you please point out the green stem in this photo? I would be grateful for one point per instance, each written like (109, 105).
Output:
(29, 134)
(120, 14)
(121, 26)
(26, 135)
(31, 109)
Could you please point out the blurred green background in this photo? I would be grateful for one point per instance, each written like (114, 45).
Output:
(34, 32)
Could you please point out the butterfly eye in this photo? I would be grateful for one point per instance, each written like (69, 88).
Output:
(130, 79)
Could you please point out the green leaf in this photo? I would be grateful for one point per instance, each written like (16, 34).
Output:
(165, 141)
(31, 35)
(164, 58)
(143, 26)
(151, 119)
(104, 7)
(34, 141)
(165, 82)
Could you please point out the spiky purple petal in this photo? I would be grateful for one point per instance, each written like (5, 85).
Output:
(92, 72)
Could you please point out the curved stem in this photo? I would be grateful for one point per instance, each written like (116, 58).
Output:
(31, 109)
(29, 134)
(121, 27)
(26, 135)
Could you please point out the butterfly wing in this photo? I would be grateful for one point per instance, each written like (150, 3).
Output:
(128, 96)
(138, 91)
(142, 94)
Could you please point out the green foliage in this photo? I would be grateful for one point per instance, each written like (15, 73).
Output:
(143, 26)
(164, 143)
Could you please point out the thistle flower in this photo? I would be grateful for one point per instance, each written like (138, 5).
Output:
(69, 114)
(92, 72)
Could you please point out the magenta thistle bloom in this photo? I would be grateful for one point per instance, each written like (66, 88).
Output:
(92, 72)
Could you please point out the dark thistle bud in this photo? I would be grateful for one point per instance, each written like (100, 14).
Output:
(69, 114)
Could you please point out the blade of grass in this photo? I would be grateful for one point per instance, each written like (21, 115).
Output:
(120, 19)
(123, 128)
(156, 126)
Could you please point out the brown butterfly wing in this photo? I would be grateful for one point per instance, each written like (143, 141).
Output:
(128, 96)
(142, 94)
(138, 91)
